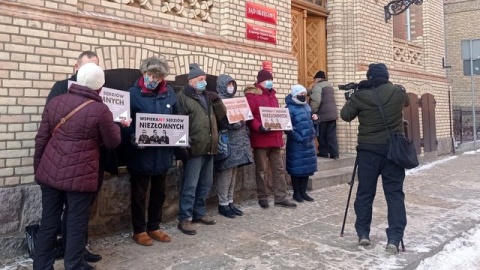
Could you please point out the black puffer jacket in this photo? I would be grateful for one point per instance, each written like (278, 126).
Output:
(362, 103)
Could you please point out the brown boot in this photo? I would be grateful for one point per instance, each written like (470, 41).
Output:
(207, 220)
(159, 235)
(142, 239)
(187, 227)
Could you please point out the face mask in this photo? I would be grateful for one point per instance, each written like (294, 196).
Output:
(230, 89)
(269, 84)
(301, 98)
(149, 84)
(201, 85)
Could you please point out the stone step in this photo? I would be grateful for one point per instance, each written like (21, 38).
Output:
(328, 178)
(345, 160)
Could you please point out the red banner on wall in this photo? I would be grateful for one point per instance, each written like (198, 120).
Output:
(261, 13)
(260, 33)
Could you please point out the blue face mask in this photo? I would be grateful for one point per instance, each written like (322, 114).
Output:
(201, 85)
(149, 84)
(269, 84)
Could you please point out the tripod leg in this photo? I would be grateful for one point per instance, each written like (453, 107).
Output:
(403, 246)
(349, 196)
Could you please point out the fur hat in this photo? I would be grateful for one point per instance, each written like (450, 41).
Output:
(264, 75)
(297, 89)
(320, 75)
(195, 71)
(91, 76)
(378, 70)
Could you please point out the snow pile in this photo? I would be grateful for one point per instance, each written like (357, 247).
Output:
(461, 253)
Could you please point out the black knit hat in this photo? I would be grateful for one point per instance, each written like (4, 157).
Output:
(377, 71)
(320, 75)
(195, 71)
(264, 75)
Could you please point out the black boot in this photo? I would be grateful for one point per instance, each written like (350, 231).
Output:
(296, 189)
(235, 210)
(303, 190)
(226, 211)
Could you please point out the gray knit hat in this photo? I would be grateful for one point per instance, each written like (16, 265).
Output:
(195, 71)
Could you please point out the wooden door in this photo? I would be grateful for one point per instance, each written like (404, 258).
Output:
(309, 43)
(428, 123)
(411, 114)
(316, 47)
(299, 43)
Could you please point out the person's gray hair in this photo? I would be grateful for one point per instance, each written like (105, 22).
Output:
(155, 65)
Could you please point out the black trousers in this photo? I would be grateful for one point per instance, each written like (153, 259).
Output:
(139, 187)
(370, 167)
(327, 139)
(76, 221)
(101, 174)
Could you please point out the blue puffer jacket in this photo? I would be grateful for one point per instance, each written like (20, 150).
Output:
(301, 155)
(149, 160)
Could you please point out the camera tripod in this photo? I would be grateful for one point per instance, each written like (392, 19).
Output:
(348, 201)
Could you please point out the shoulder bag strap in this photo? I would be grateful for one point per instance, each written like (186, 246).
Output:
(379, 104)
(64, 119)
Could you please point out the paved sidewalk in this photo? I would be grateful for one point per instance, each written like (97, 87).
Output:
(442, 199)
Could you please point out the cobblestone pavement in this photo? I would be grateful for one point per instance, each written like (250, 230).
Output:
(442, 200)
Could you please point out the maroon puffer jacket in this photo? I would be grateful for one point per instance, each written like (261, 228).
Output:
(68, 160)
(257, 139)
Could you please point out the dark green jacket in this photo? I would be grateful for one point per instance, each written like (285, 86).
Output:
(363, 104)
(203, 130)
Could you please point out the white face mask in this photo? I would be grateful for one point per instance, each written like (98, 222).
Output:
(230, 89)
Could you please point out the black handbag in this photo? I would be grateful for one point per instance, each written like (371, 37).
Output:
(401, 150)
(31, 232)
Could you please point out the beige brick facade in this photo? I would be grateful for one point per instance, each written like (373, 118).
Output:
(40, 40)
(460, 21)
(358, 35)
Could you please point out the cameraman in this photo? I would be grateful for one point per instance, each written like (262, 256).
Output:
(372, 149)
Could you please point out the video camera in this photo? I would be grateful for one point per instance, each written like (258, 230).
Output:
(350, 88)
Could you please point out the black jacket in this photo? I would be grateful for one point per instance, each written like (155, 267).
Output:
(60, 87)
(371, 131)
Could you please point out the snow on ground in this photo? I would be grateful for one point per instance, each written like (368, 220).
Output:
(461, 253)
(429, 165)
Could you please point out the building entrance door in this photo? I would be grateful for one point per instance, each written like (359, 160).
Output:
(309, 38)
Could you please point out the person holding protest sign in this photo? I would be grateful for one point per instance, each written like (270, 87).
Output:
(240, 152)
(149, 165)
(267, 144)
(301, 154)
(66, 165)
(203, 108)
(59, 88)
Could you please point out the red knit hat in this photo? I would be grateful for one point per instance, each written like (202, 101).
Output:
(264, 75)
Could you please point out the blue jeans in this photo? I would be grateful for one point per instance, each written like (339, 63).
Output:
(370, 166)
(196, 184)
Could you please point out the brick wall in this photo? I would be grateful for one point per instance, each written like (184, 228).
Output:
(460, 21)
(40, 40)
(358, 35)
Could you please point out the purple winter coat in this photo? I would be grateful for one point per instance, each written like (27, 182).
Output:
(68, 160)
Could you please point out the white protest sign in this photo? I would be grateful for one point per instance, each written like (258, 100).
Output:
(118, 102)
(275, 118)
(161, 129)
(237, 109)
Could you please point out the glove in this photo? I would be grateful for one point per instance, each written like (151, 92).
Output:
(263, 130)
(348, 94)
(134, 143)
(212, 95)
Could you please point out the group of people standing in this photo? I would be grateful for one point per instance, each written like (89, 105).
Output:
(76, 127)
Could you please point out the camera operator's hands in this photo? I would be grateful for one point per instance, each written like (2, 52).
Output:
(348, 95)
(263, 130)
